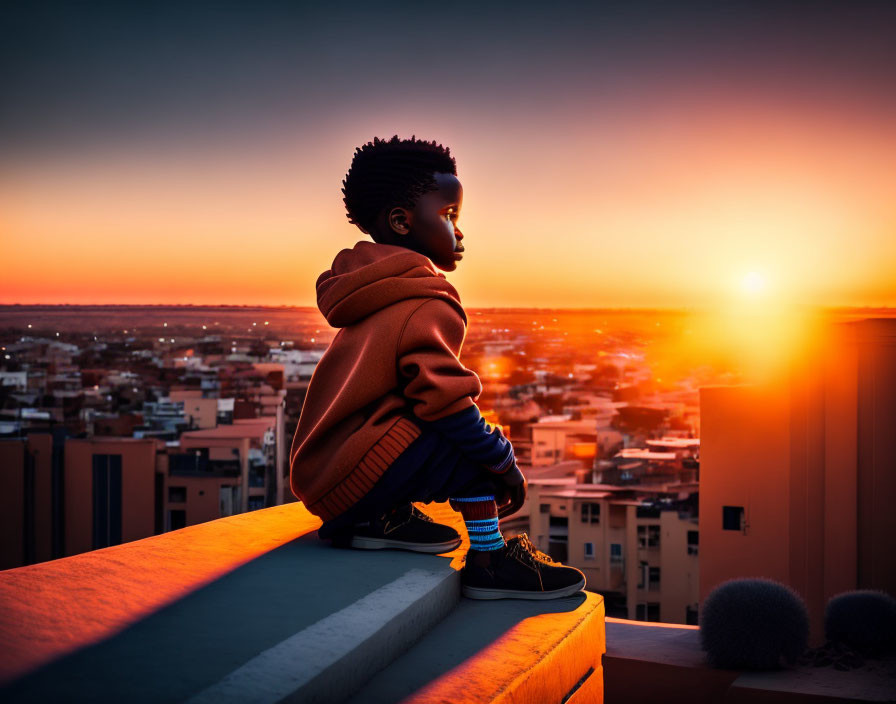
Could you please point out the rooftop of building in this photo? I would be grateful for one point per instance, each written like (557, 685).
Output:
(255, 607)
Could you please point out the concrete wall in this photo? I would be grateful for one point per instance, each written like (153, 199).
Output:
(138, 467)
(25, 531)
(811, 459)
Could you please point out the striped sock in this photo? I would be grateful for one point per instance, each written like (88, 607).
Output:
(481, 518)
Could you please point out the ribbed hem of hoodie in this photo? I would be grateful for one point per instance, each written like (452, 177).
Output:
(367, 472)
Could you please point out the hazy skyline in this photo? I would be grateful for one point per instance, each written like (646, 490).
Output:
(642, 155)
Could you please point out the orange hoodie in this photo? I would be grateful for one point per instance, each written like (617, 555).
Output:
(393, 363)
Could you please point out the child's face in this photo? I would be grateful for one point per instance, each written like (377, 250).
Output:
(431, 227)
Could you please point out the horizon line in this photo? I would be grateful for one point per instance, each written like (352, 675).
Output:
(468, 307)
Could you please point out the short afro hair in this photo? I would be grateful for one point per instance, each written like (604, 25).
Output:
(390, 174)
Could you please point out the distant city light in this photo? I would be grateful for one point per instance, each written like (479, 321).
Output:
(312, 339)
(164, 325)
(172, 339)
(598, 331)
(29, 325)
(7, 356)
(266, 322)
(203, 327)
(161, 339)
(254, 323)
(57, 334)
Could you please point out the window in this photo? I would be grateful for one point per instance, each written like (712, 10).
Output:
(106, 500)
(255, 503)
(589, 551)
(732, 517)
(590, 513)
(653, 582)
(557, 549)
(693, 542)
(649, 536)
(177, 494)
(647, 612)
(642, 574)
(544, 508)
(615, 552)
(177, 518)
(690, 615)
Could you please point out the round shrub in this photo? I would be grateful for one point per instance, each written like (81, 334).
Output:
(753, 624)
(865, 620)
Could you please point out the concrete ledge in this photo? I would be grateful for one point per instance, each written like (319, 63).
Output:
(647, 661)
(255, 608)
(57, 607)
(252, 601)
(502, 651)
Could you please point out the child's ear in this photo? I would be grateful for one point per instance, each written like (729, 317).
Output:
(400, 220)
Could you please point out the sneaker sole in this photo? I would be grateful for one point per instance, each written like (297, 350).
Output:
(383, 544)
(481, 593)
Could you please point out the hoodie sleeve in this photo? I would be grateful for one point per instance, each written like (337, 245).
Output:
(441, 390)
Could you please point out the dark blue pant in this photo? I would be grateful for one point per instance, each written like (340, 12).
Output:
(432, 468)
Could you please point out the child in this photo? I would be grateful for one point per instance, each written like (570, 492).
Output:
(390, 415)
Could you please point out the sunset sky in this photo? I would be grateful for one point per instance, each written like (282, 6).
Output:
(644, 154)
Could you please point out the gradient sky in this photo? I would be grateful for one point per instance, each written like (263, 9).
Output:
(634, 154)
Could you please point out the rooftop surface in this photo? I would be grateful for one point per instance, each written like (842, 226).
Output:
(254, 607)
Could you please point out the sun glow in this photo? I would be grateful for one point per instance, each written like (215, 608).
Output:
(753, 284)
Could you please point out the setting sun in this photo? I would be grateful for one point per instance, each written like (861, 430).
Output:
(753, 283)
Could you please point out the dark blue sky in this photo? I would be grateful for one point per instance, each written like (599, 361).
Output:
(82, 71)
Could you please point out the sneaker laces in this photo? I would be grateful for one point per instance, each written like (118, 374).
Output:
(402, 514)
(417, 513)
(522, 546)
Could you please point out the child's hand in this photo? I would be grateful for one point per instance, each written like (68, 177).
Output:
(512, 493)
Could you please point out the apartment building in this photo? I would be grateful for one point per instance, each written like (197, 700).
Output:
(109, 491)
(797, 475)
(636, 545)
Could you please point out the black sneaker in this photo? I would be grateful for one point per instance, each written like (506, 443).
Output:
(405, 528)
(517, 571)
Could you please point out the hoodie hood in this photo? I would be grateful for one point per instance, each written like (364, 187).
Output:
(371, 276)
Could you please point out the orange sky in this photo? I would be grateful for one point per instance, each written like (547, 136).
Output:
(652, 212)
(640, 171)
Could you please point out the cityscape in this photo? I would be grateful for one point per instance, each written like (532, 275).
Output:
(142, 420)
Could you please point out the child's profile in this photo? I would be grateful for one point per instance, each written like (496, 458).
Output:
(390, 415)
